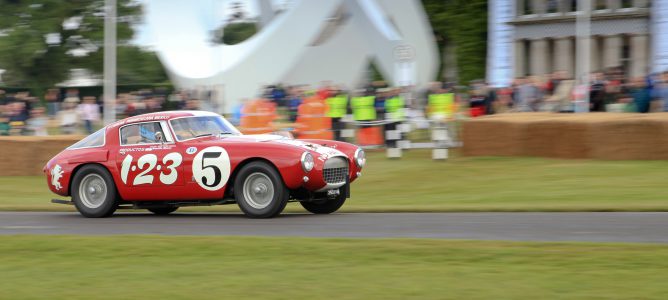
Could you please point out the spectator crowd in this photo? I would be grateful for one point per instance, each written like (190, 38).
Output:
(64, 111)
(607, 90)
(67, 112)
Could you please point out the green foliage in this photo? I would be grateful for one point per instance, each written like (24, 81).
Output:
(32, 62)
(375, 73)
(136, 65)
(235, 33)
(464, 23)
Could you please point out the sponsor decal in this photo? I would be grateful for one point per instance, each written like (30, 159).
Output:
(191, 150)
(146, 149)
(138, 119)
(56, 174)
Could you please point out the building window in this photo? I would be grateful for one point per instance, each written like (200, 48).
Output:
(571, 5)
(574, 54)
(597, 57)
(601, 4)
(527, 56)
(528, 7)
(626, 54)
(626, 3)
(552, 6)
(550, 56)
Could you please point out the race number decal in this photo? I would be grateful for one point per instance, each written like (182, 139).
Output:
(146, 163)
(211, 168)
(142, 178)
(171, 162)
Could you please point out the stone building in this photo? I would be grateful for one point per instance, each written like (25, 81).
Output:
(544, 36)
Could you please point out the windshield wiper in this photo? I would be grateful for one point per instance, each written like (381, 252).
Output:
(204, 134)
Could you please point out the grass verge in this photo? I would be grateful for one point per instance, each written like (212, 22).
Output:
(416, 183)
(163, 267)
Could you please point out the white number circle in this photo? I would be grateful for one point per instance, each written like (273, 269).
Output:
(211, 168)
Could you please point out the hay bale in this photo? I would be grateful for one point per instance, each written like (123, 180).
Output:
(494, 137)
(565, 135)
(500, 135)
(557, 138)
(27, 155)
(593, 135)
(620, 139)
(18, 157)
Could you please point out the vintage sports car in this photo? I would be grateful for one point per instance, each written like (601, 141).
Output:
(165, 160)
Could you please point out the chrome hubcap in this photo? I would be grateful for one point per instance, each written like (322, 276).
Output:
(258, 190)
(92, 191)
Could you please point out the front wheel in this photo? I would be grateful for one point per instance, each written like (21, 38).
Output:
(94, 192)
(259, 190)
(327, 206)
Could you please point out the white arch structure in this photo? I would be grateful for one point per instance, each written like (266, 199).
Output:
(310, 42)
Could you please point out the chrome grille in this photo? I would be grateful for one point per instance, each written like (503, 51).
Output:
(336, 170)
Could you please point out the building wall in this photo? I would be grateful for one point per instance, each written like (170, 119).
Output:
(545, 36)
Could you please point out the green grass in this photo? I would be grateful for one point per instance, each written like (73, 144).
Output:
(417, 183)
(162, 267)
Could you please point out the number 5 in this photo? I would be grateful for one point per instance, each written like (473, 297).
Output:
(211, 168)
(216, 170)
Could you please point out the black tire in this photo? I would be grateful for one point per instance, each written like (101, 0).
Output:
(325, 206)
(274, 196)
(94, 192)
(161, 211)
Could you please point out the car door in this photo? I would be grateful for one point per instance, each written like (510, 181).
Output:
(150, 162)
(207, 167)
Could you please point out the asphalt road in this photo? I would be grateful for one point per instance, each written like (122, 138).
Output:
(595, 227)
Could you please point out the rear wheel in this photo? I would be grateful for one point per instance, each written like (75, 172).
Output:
(326, 206)
(259, 190)
(94, 192)
(163, 210)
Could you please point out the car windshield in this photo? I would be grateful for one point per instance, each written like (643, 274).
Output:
(193, 127)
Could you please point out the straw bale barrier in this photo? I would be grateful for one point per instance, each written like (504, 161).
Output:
(27, 155)
(614, 136)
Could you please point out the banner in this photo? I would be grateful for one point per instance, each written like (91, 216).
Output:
(500, 43)
(659, 36)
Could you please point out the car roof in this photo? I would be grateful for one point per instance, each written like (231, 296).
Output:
(162, 116)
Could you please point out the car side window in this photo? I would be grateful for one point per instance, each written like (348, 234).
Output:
(143, 133)
(94, 140)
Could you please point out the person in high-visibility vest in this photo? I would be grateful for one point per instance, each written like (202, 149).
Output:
(440, 105)
(363, 108)
(394, 113)
(394, 106)
(337, 108)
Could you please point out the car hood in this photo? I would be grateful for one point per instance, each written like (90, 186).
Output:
(324, 151)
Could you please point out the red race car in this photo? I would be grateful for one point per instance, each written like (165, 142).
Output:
(165, 160)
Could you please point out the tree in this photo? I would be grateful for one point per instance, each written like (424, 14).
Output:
(40, 41)
(237, 28)
(463, 23)
(234, 33)
(136, 65)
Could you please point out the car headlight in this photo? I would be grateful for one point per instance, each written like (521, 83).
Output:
(307, 162)
(360, 158)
